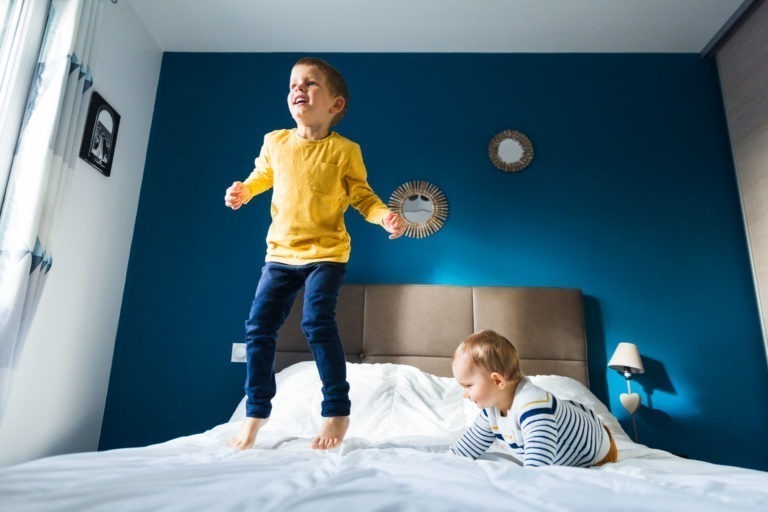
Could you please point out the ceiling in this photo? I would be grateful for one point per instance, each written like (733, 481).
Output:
(503, 26)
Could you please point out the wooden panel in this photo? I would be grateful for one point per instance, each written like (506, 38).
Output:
(416, 319)
(542, 323)
(743, 67)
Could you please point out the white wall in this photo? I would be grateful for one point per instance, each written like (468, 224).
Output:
(58, 394)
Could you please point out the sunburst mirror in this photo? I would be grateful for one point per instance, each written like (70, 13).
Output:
(510, 151)
(422, 206)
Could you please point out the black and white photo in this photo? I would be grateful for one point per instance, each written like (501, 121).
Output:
(100, 134)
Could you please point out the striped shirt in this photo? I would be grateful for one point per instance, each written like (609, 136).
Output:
(540, 430)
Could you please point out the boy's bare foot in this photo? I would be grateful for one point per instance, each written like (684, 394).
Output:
(247, 434)
(331, 433)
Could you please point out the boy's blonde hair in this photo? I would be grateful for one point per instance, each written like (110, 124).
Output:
(492, 351)
(336, 83)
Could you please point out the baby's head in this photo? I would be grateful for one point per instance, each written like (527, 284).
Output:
(485, 364)
(492, 352)
(334, 82)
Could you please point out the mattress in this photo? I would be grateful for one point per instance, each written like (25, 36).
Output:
(395, 458)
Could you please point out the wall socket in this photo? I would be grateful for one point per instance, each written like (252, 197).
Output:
(238, 353)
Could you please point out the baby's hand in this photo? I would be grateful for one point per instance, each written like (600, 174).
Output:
(236, 195)
(394, 225)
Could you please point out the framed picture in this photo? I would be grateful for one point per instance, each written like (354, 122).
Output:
(100, 134)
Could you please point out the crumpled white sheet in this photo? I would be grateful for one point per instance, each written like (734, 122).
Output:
(393, 459)
(388, 401)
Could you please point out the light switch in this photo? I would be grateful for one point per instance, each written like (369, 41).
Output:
(238, 352)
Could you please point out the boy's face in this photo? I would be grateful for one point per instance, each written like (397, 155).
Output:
(309, 99)
(477, 383)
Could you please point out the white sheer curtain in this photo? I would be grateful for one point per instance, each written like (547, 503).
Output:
(23, 23)
(40, 172)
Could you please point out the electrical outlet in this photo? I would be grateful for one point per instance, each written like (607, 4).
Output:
(238, 352)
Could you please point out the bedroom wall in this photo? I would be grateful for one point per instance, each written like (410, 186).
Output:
(57, 397)
(631, 197)
(742, 63)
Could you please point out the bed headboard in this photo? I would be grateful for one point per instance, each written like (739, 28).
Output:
(421, 325)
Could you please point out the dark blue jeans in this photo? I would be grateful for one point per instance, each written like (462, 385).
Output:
(274, 297)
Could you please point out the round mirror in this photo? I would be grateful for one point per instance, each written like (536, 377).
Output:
(418, 208)
(422, 206)
(510, 151)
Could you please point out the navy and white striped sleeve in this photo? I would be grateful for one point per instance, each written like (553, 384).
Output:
(476, 440)
(539, 429)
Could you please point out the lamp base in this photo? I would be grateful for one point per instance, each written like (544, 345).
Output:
(630, 401)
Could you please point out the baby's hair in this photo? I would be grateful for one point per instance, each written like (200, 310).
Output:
(492, 351)
(336, 83)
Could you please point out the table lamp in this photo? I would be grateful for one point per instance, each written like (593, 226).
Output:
(626, 360)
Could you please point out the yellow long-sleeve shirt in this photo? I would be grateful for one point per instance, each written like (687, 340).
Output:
(313, 182)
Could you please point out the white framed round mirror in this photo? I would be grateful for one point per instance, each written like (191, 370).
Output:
(510, 151)
(422, 206)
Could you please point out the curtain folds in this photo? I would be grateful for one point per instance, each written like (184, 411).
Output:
(40, 172)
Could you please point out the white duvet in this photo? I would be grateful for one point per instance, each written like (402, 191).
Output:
(393, 459)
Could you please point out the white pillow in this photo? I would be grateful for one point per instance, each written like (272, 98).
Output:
(388, 401)
(395, 401)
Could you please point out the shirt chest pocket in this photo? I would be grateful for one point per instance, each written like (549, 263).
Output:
(326, 179)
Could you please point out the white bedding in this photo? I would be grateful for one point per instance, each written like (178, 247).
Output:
(394, 459)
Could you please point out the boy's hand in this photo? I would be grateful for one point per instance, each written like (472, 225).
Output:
(236, 195)
(394, 225)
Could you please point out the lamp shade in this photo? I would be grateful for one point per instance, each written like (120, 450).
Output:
(626, 357)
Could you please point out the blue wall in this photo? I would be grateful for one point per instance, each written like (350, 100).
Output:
(631, 197)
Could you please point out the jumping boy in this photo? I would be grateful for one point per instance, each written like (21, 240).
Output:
(315, 174)
(540, 429)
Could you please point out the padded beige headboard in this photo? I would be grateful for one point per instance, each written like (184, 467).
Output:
(421, 325)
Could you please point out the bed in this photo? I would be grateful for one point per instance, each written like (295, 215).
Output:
(406, 412)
